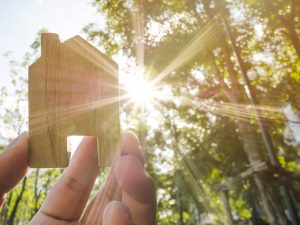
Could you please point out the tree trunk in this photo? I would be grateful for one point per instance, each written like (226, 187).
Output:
(255, 208)
(288, 24)
(274, 211)
(294, 38)
(15, 208)
(270, 201)
(4, 210)
(36, 193)
(179, 199)
(229, 218)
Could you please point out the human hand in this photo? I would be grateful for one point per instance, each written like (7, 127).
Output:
(127, 197)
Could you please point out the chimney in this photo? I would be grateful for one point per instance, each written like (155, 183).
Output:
(49, 44)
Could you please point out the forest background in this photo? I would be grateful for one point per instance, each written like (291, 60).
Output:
(218, 74)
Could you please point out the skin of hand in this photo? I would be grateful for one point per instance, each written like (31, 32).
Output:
(126, 198)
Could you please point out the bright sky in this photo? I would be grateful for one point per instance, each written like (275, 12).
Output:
(21, 20)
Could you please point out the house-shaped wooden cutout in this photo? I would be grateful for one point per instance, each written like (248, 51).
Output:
(73, 90)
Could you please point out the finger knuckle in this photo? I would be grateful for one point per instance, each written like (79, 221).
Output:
(74, 184)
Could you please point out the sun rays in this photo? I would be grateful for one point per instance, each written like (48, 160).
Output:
(240, 112)
(141, 92)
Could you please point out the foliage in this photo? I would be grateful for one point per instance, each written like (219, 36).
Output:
(212, 135)
(206, 136)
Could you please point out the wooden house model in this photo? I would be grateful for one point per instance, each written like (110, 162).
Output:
(73, 90)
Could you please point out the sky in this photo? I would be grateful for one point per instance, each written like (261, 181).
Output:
(21, 20)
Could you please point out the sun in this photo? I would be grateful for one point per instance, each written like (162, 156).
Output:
(139, 90)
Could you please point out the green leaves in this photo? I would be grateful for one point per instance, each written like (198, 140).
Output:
(199, 141)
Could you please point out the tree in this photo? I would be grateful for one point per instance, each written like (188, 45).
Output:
(209, 56)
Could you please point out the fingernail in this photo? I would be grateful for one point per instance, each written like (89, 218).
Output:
(131, 145)
(130, 137)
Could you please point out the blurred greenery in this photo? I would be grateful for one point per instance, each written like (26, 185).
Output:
(207, 135)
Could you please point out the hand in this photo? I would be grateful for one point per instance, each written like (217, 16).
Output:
(127, 197)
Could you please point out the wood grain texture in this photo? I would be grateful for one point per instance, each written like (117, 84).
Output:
(73, 90)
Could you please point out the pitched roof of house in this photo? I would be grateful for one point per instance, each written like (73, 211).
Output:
(85, 49)
(88, 51)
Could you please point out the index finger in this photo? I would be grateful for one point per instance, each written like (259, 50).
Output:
(68, 197)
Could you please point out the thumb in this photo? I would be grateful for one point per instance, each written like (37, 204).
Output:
(13, 164)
